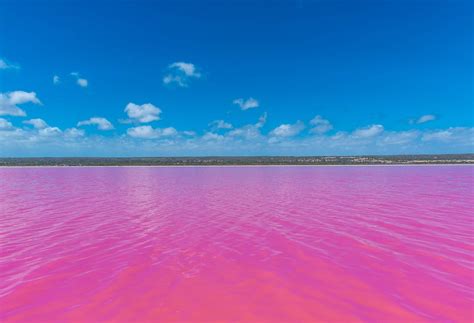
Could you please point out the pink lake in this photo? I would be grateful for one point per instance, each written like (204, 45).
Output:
(250, 244)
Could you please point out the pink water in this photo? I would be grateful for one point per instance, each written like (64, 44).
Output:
(237, 244)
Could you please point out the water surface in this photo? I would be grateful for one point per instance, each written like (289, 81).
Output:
(237, 243)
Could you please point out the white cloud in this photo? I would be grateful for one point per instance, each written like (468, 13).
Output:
(9, 102)
(4, 64)
(189, 133)
(142, 113)
(369, 131)
(170, 131)
(43, 128)
(148, 132)
(262, 120)
(250, 131)
(247, 131)
(27, 141)
(442, 135)
(320, 124)
(399, 138)
(339, 135)
(101, 123)
(187, 68)
(250, 103)
(142, 132)
(5, 124)
(426, 118)
(49, 131)
(74, 132)
(82, 82)
(288, 130)
(220, 124)
(56, 79)
(36, 123)
(180, 73)
(451, 137)
(211, 136)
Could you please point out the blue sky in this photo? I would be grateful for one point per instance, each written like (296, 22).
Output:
(160, 78)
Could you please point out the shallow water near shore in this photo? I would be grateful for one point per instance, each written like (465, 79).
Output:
(237, 243)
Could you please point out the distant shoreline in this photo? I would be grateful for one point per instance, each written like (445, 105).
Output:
(230, 166)
(255, 161)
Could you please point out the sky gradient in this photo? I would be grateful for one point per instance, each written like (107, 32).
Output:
(147, 78)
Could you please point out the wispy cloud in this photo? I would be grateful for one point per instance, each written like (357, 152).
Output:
(148, 132)
(181, 73)
(82, 82)
(220, 124)
(142, 113)
(49, 131)
(74, 132)
(43, 129)
(320, 125)
(211, 136)
(56, 79)
(288, 130)
(249, 103)
(425, 118)
(5, 124)
(450, 135)
(369, 131)
(399, 137)
(9, 102)
(36, 123)
(247, 140)
(250, 131)
(4, 65)
(101, 123)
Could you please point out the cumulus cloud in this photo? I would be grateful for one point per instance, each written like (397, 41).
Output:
(28, 140)
(82, 82)
(181, 73)
(425, 118)
(450, 135)
(74, 132)
(4, 65)
(148, 132)
(288, 130)
(36, 123)
(5, 124)
(320, 125)
(211, 136)
(369, 131)
(56, 79)
(249, 103)
(250, 131)
(43, 128)
(142, 113)
(399, 138)
(187, 68)
(9, 102)
(101, 123)
(49, 131)
(443, 135)
(220, 124)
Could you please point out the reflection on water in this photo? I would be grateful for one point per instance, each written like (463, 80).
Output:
(237, 243)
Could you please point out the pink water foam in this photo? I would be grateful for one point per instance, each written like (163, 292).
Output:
(237, 244)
